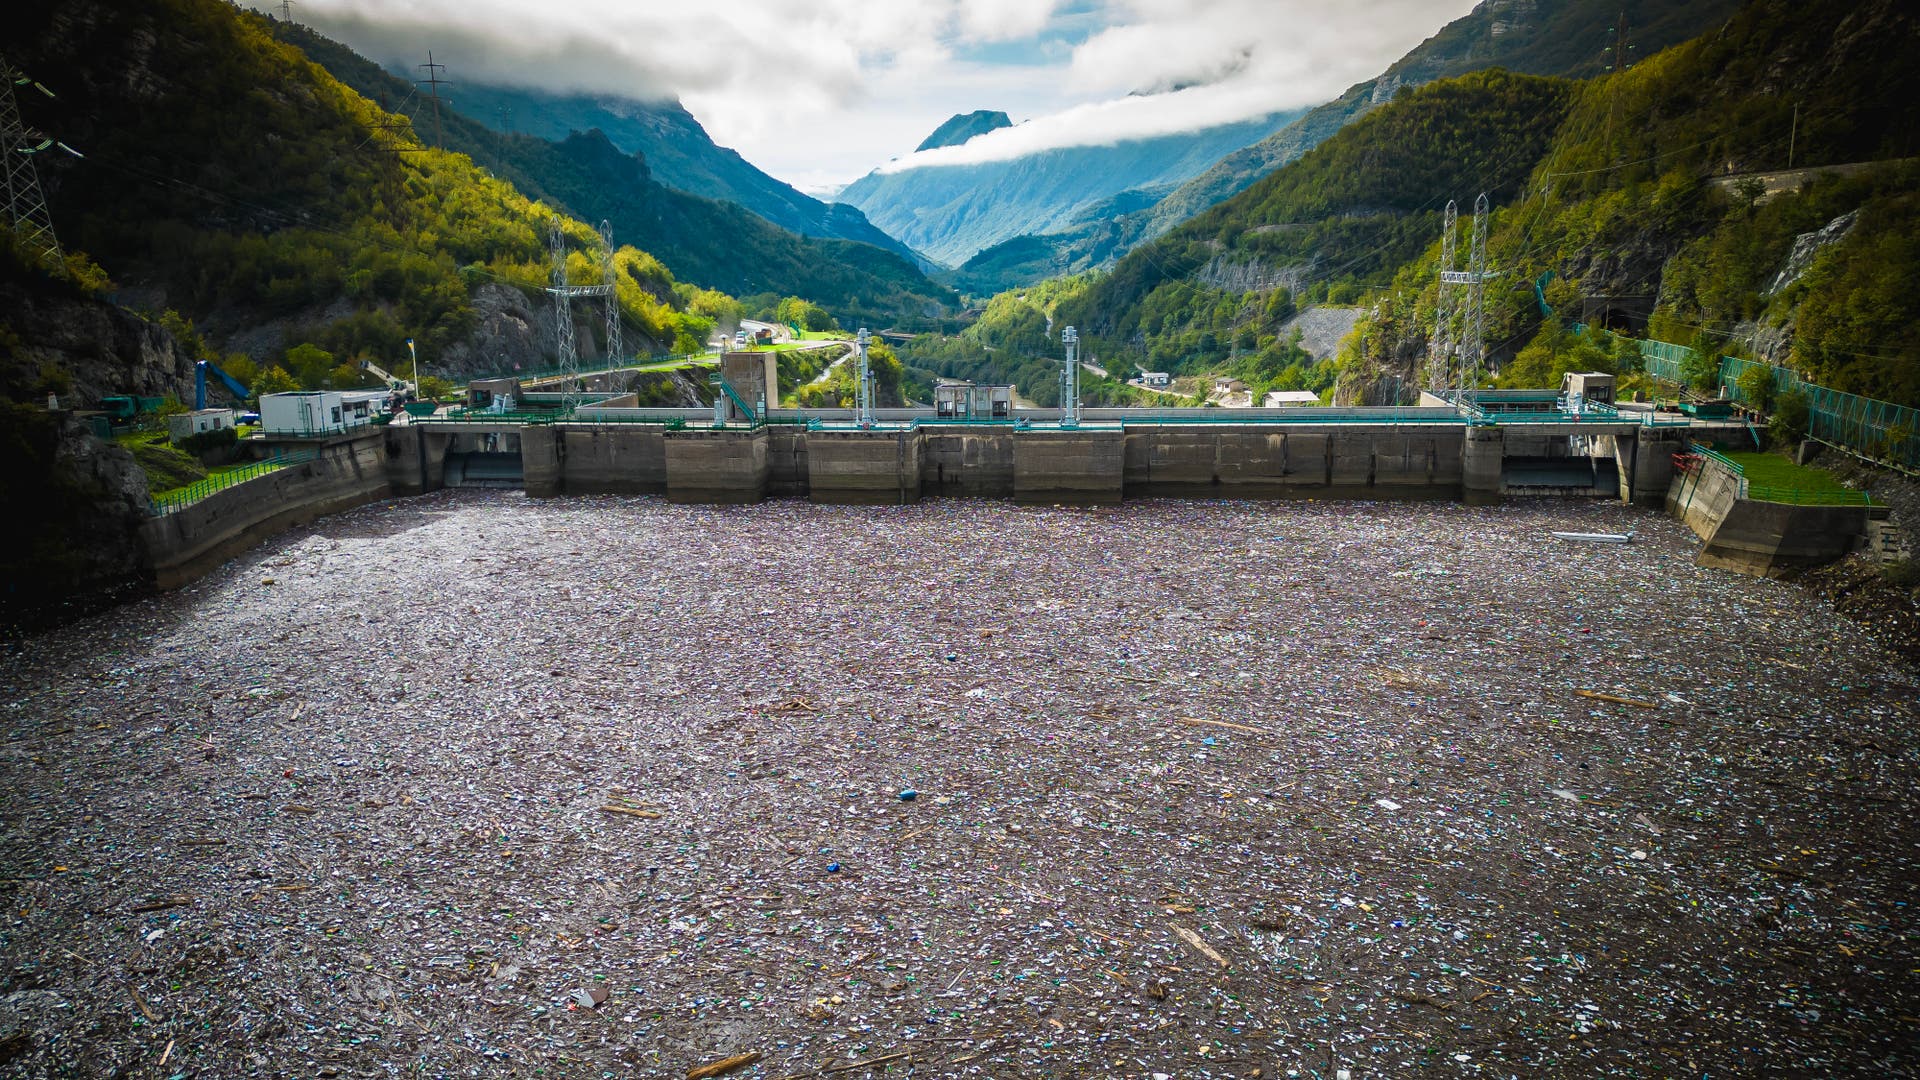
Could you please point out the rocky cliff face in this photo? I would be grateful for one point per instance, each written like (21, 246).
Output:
(83, 349)
(86, 498)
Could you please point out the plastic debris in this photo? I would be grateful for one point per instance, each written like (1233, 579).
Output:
(1336, 762)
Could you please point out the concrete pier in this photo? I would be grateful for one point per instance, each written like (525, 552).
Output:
(1070, 466)
(863, 467)
(716, 466)
(1480, 461)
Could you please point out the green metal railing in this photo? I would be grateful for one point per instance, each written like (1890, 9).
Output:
(180, 498)
(1879, 430)
(1806, 496)
(624, 365)
(1779, 493)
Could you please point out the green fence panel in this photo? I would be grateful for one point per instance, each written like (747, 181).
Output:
(1875, 429)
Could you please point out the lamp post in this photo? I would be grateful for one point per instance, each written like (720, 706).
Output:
(863, 393)
(1070, 380)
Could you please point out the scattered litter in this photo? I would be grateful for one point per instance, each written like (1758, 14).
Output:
(1182, 800)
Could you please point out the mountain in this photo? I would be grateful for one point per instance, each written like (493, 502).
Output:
(296, 222)
(1570, 38)
(1613, 192)
(1352, 210)
(713, 243)
(963, 126)
(950, 212)
(678, 151)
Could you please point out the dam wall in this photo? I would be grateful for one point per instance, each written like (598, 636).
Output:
(1099, 462)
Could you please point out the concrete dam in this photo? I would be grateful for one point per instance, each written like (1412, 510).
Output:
(1110, 455)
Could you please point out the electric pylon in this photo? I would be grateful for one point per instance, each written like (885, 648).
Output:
(1440, 349)
(615, 353)
(563, 312)
(26, 204)
(1472, 344)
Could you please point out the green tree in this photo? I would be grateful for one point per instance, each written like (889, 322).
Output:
(274, 380)
(1791, 416)
(1757, 388)
(1701, 368)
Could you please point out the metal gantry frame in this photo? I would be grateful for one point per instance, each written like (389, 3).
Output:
(863, 390)
(1070, 379)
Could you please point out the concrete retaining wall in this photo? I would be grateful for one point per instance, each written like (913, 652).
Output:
(961, 461)
(1081, 467)
(190, 542)
(1762, 539)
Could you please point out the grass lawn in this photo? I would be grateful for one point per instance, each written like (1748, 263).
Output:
(1775, 470)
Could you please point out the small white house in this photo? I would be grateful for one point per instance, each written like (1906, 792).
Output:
(318, 412)
(188, 424)
(1290, 399)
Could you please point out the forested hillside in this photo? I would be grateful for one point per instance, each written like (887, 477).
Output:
(1344, 216)
(1625, 206)
(296, 217)
(1567, 38)
(677, 150)
(1627, 194)
(715, 244)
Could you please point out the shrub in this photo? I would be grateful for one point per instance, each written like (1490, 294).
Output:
(208, 440)
(1791, 416)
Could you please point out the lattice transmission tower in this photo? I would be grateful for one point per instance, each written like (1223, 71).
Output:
(1440, 348)
(1472, 343)
(563, 294)
(27, 209)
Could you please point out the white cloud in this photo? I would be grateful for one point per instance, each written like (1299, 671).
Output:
(818, 91)
(1177, 65)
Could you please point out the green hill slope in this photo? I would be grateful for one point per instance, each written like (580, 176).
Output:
(1568, 38)
(716, 244)
(1624, 208)
(229, 177)
(1350, 211)
(677, 149)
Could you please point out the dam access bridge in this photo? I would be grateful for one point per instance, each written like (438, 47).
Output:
(738, 451)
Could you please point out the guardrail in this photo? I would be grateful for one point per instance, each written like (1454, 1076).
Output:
(181, 498)
(1781, 493)
(1805, 496)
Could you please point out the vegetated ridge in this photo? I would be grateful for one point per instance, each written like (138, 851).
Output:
(1619, 185)
(1570, 38)
(1639, 210)
(1350, 211)
(233, 180)
(710, 242)
(677, 149)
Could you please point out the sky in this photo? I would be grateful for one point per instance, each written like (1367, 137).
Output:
(820, 92)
